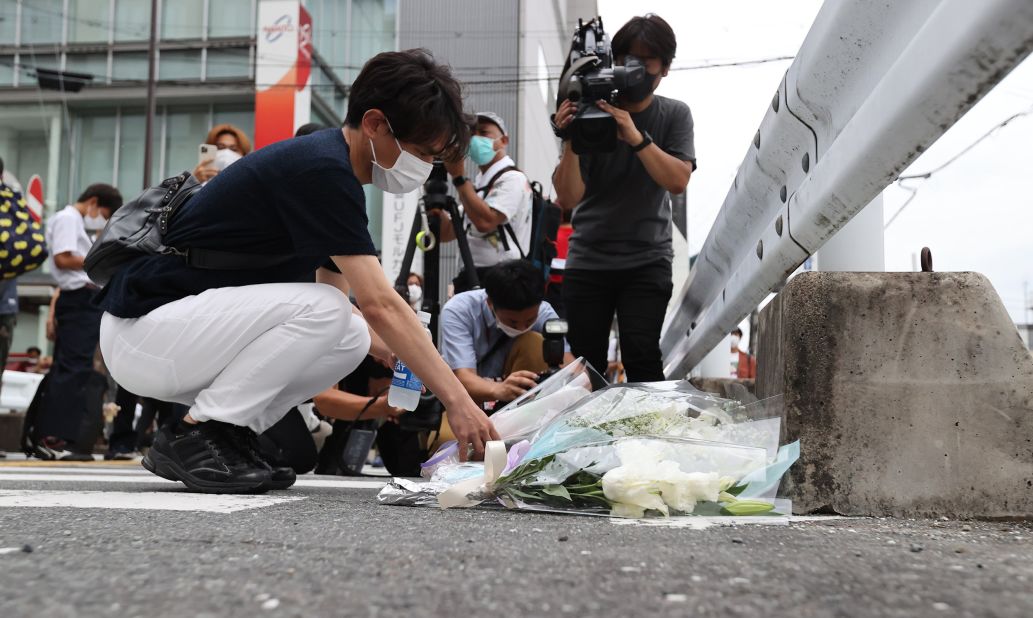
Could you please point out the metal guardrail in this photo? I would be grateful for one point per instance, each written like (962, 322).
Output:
(873, 86)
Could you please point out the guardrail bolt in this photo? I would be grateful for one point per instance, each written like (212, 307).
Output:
(778, 225)
(782, 194)
(806, 162)
(927, 260)
(760, 249)
(774, 103)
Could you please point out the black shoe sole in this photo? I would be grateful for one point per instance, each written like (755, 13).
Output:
(279, 484)
(169, 470)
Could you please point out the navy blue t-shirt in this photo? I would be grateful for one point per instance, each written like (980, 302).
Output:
(296, 197)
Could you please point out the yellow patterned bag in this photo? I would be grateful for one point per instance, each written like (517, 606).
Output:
(22, 244)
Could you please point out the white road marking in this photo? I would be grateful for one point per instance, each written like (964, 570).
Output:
(696, 522)
(150, 478)
(159, 501)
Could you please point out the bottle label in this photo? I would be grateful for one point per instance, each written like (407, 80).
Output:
(404, 378)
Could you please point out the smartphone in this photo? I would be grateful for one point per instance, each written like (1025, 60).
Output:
(206, 153)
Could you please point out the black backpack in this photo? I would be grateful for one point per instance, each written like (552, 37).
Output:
(138, 229)
(545, 224)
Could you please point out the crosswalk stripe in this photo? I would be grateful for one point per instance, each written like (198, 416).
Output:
(150, 478)
(153, 500)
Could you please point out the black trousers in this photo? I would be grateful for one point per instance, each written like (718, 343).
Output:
(639, 296)
(75, 392)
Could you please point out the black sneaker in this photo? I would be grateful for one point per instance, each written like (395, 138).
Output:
(206, 457)
(281, 476)
(77, 457)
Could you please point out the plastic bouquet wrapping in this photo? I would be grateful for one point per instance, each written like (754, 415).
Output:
(634, 450)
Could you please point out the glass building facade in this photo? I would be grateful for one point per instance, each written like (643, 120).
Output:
(205, 76)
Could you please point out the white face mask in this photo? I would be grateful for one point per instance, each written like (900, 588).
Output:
(224, 158)
(415, 294)
(94, 223)
(509, 331)
(408, 173)
(735, 341)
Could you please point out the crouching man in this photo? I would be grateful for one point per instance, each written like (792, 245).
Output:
(491, 338)
(241, 347)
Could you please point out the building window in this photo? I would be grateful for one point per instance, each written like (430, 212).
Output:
(94, 64)
(96, 150)
(230, 18)
(183, 19)
(129, 66)
(179, 64)
(7, 69)
(186, 129)
(41, 21)
(132, 20)
(8, 21)
(231, 62)
(88, 21)
(130, 153)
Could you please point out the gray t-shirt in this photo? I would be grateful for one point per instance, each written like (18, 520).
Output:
(623, 220)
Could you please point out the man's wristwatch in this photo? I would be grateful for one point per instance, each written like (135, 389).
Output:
(459, 181)
(647, 139)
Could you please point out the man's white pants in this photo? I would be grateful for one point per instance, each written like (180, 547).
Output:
(241, 355)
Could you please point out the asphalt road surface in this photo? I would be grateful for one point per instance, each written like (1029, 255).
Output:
(98, 540)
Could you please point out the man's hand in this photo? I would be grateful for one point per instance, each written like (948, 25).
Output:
(471, 427)
(515, 385)
(626, 130)
(565, 114)
(455, 167)
(51, 328)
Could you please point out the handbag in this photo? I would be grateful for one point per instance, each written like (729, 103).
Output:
(23, 246)
(138, 229)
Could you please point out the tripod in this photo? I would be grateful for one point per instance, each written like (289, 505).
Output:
(435, 200)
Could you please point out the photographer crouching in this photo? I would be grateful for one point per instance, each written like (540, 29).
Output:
(492, 338)
(242, 346)
(620, 253)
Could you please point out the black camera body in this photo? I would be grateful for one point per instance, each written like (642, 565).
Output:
(589, 75)
(435, 189)
(554, 333)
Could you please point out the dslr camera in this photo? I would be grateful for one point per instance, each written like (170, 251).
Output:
(553, 334)
(589, 76)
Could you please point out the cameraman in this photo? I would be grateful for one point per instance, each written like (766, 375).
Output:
(498, 210)
(495, 333)
(620, 252)
(241, 347)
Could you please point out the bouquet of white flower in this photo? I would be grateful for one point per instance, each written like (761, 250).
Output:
(634, 450)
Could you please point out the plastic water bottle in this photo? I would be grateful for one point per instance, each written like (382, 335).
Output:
(405, 387)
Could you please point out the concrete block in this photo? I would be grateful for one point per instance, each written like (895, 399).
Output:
(911, 394)
(729, 388)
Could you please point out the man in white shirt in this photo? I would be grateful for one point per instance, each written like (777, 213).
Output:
(496, 205)
(74, 391)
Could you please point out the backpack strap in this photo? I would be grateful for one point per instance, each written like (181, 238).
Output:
(491, 183)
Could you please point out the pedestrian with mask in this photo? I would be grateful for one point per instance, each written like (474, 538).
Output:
(620, 252)
(496, 204)
(72, 402)
(241, 347)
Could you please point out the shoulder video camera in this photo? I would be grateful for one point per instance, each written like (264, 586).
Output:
(589, 76)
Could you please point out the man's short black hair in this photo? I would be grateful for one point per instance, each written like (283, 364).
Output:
(34, 349)
(421, 99)
(308, 128)
(514, 285)
(107, 196)
(737, 331)
(652, 31)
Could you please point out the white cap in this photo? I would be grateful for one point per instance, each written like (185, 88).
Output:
(493, 118)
